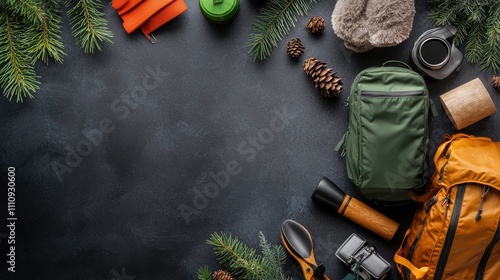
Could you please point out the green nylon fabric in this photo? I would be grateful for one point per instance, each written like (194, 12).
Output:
(387, 140)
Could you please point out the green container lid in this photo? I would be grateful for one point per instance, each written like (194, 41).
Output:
(219, 11)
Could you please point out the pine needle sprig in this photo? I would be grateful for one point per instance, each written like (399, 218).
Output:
(273, 24)
(462, 31)
(88, 24)
(47, 39)
(42, 28)
(492, 45)
(474, 49)
(240, 260)
(17, 75)
(28, 10)
(204, 273)
(243, 262)
(275, 255)
(444, 12)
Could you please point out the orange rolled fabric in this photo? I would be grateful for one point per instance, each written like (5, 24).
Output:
(169, 12)
(129, 5)
(118, 4)
(136, 17)
(147, 14)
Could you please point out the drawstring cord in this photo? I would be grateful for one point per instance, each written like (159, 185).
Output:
(480, 210)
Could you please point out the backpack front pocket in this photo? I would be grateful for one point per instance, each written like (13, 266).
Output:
(392, 139)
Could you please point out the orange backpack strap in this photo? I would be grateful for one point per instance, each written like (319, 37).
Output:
(169, 12)
(446, 140)
(418, 272)
(402, 261)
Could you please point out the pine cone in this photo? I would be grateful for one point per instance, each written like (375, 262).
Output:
(294, 48)
(316, 25)
(222, 275)
(325, 80)
(495, 81)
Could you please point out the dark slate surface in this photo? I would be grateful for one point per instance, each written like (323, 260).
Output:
(200, 105)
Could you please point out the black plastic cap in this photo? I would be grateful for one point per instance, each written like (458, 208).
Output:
(328, 193)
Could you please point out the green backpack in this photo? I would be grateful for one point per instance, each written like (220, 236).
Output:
(387, 142)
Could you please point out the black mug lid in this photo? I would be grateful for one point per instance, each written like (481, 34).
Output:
(455, 57)
(434, 52)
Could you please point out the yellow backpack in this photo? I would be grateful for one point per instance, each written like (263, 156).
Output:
(455, 233)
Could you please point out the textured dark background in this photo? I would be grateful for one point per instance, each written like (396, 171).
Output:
(117, 212)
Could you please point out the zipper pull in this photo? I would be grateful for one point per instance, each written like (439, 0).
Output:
(341, 144)
(446, 201)
(346, 102)
(342, 154)
(480, 208)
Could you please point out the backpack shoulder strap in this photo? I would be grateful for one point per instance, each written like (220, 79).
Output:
(418, 272)
(402, 261)
(446, 140)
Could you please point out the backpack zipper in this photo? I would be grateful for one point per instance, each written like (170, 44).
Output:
(486, 255)
(392, 94)
(411, 250)
(450, 234)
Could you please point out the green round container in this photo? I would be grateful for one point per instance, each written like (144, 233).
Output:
(219, 11)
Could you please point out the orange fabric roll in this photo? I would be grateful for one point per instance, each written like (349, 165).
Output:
(136, 17)
(118, 4)
(169, 12)
(129, 6)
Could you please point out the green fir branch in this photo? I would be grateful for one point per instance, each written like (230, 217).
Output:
(47, 39)
(240, 260)
(30, 30)
(42, 28)
(462, 31)
(478, 25)
(275, 256)
(474, 49)
(243, 262)
(273, 24)
(204, 273)
(88, 24)
(492, 45)
(17, 74)
(27, 10)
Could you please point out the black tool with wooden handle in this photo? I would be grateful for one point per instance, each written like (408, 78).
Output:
(298, 242)
(330, 194)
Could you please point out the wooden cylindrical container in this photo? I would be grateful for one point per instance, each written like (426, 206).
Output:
(467, 103)
(368, 217)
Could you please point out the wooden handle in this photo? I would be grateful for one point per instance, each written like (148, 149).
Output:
(368, 217)
(467, 104)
